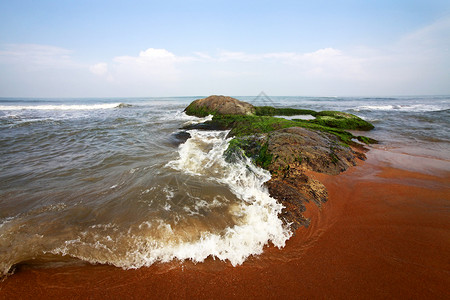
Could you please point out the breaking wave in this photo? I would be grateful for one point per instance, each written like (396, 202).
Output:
(403, 108)
(251, 219)
(64, 106)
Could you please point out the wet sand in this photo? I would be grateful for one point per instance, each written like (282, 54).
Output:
(384, 233)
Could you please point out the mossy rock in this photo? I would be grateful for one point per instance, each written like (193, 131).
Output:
(367, 140)
(219, 105)
(198, 111)
(337, 119)
(273, 111)
(253, 147)
(249, 125)
(287, 148)
(243, 119)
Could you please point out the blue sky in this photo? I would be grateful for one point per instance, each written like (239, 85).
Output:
(172, 48)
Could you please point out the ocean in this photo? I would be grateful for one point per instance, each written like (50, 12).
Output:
(111, 180)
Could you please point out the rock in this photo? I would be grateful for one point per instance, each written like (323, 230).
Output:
(222, 105)
(310, 150)
(205, 126)
(337, 119)
(179, 137)
(293, 190)
(124, 105)
(290, 150)
(289, 154)
(294, 151)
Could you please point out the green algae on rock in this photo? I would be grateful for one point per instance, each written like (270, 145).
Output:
(287, 154)
(272, 111)
(222, 105)
(337, 119)
(286, 148)
(334, 119)
(242, 118)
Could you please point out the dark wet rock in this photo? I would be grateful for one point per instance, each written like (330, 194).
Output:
(179, 137)
(337, 119)
(221, 105)
(311, 150)
(289, 154)
(290, 150)
(294, 189)
(124, 105)
(205, 126)
(367, 140)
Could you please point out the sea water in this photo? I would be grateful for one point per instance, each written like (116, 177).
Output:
(109, 180)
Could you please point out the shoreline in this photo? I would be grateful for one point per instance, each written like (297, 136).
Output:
(383, 233)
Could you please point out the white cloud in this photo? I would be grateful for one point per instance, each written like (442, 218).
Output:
(37, 56)
(432, 36)
(417, 63)
(153, 68)
(148, 56)
(99, 69)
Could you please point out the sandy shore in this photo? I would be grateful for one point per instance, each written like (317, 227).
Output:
(384, 233)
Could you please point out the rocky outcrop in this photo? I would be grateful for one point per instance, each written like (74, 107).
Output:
(337, 119)
(294, 189)
(290, 149)
(295, 151)
(289, 154)
(222, 105)
(310, 150)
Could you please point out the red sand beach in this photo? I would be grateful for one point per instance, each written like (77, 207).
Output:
(384, 233)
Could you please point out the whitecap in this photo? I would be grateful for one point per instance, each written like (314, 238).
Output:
(60, 107)
(156, 240)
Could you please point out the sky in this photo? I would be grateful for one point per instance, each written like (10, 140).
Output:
(100, 48)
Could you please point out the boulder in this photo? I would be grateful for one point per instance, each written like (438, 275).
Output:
(310, 150)
(221, 105)
(290, 154)
(337, 119)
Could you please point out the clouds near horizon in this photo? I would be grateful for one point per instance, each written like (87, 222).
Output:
(417, 63)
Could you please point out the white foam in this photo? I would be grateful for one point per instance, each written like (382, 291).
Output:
(182, 116)
(406, 108)
(195, 120)
(257, 222)
(202, 155)
(60, 107)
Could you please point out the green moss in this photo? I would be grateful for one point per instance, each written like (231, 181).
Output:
(198, 111)
(264, 157)
(367, 140)
(272, 111)
(235, 150)
(243, 129)
(343, 135)
(249, 125)
(256, 150)
(337, 119)
(334, 158)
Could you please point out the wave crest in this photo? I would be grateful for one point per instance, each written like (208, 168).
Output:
(64, 106)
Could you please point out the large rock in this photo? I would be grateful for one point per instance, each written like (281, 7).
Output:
(337, 119)
(222, 105)
(294, 189)
(300, 148)
(295, 151)
(289, 154)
